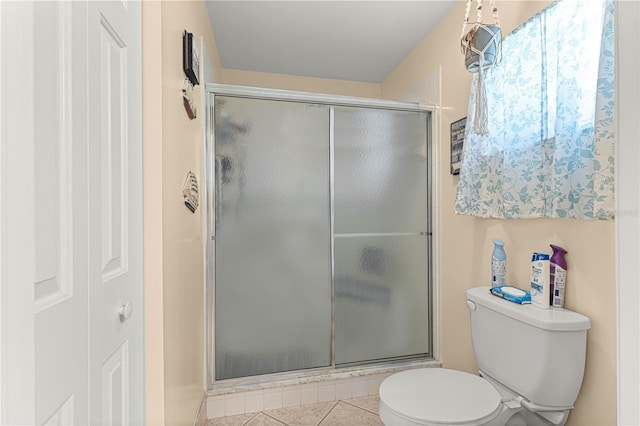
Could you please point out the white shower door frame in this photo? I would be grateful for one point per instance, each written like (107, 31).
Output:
(212, 90)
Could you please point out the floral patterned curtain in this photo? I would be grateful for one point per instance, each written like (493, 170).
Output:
(550, 147)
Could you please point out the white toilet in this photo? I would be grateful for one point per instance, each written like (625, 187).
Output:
(531, 364)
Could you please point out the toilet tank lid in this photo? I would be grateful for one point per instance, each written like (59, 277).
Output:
(557, 319)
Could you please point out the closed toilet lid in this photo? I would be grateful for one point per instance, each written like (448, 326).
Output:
(440, 396)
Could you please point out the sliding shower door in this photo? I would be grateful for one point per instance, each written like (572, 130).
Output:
(272, 267)
(322, 233)
(380, 235)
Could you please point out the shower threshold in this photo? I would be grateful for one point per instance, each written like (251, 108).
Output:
(317, 376)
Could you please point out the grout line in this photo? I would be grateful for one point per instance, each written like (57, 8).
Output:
(335, 404)
(273, 418)
(252, 417)
(358, 407)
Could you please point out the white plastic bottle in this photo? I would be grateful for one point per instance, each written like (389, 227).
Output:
(540, 292)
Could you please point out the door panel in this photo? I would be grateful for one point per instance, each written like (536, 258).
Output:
(273, 266)
(380, 170)
(113, 97)
(115, 213)
(17, 234)
(60, 213)
(53, 159)
(381, 295)
(381, 234)
(115, 387)
(64, 415)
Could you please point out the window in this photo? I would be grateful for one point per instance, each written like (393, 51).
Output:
(550, 147)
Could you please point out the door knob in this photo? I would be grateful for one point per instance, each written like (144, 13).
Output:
(125, 311)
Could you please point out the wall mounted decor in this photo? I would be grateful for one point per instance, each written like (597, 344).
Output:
(187, 100)
(457, 142)
(190, 192)
(190, 58)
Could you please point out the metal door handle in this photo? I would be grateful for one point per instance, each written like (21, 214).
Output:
(217, 196)
(125, 311)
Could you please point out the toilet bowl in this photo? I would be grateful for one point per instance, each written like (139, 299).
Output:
(531, 368)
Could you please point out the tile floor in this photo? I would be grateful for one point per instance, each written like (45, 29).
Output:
(349, 412)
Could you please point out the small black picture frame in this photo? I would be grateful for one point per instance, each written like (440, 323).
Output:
(457, 143)
(190, 58)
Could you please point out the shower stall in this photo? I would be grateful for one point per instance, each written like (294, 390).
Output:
(318, 249)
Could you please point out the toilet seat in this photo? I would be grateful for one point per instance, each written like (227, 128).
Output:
(437, 396)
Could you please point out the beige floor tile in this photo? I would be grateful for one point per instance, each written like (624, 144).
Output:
(344, 414)
(238, 420)
(369, 403)
(263, 420)
(304, 415)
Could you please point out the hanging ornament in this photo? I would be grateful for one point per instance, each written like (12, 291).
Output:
(481, 45)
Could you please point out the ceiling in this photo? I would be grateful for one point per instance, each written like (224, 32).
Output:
(346, 40)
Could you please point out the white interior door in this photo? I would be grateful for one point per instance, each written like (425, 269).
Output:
(17, 252)
(71, 218)
(115, 213)
(60, 214)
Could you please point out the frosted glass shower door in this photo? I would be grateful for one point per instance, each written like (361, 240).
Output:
(272, 255)
(381, 235)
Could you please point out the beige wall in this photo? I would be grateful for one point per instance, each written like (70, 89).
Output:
(182, 146)
(465, 246)
(301, 84)
(152, 169)
(173, 146)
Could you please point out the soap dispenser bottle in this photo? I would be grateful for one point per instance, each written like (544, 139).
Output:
(498, 264)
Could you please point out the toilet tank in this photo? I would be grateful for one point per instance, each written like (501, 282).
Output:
(537, 353)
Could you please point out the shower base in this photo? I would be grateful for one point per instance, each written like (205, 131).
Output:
(268, 392)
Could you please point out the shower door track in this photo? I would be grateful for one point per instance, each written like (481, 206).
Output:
(310, 98)
(214, 89)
